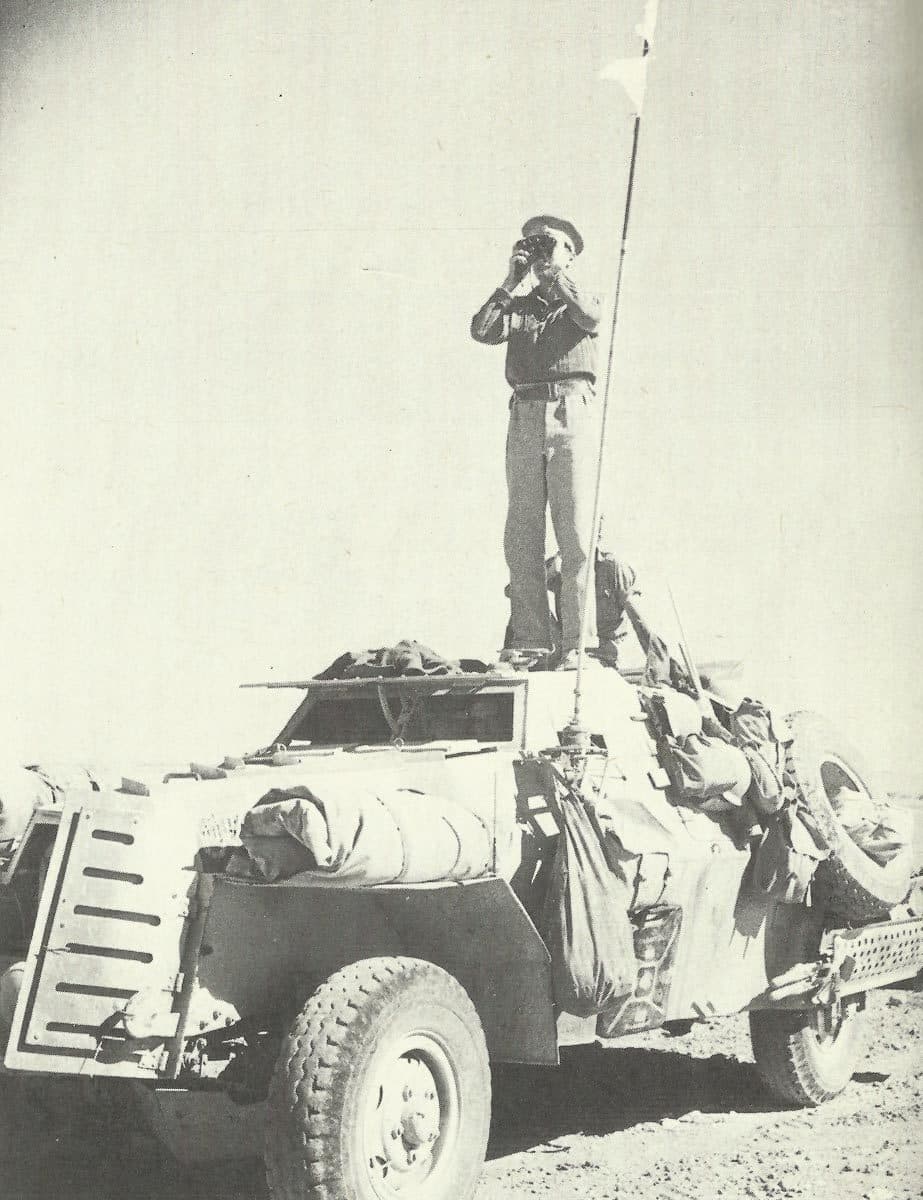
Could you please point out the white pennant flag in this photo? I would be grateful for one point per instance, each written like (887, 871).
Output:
(631, 73)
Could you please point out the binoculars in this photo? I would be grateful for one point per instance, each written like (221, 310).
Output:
(537, 245)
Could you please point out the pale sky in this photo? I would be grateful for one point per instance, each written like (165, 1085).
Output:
(245, 427)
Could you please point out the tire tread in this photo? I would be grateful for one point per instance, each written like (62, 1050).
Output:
(780, 1041)
(302, 1127)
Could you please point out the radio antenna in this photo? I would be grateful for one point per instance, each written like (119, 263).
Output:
(631, 73)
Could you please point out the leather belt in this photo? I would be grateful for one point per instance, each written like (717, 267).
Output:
(554, 389)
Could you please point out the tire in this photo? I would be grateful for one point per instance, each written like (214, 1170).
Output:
(799, 1065)
(381, 1090)
(849, 885)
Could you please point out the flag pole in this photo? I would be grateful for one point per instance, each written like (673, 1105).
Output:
(575, 733)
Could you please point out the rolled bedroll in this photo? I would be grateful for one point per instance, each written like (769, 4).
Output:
(348, 835)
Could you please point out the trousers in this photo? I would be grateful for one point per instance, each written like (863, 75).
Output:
(551, 450)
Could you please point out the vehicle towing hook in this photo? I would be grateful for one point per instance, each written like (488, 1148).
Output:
(799, 980)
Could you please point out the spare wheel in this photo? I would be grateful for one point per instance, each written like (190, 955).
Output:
(849, 884)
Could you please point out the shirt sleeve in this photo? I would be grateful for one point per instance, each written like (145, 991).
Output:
(491, 323)
(582, 305)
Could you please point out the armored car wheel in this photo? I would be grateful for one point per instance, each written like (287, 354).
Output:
(849, 884)
(805, 1057)
(381, 1090)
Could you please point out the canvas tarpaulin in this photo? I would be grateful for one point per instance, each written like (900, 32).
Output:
(703, 767)
(587, 928)
(881, 830)
(346, 834)
(787, 855)
(405, 658)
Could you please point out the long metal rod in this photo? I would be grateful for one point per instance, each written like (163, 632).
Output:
(607, 385)
(416, 683)
(687, 654)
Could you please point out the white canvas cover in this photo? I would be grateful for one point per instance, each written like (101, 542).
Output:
(347, 834)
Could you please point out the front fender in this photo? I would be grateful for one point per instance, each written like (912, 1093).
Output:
(264, 946)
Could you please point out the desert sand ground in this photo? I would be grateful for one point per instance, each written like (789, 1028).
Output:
(650, 1116)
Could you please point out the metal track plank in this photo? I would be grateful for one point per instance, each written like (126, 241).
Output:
(70, 1039)
(98, 972)
(61, 1064)
(150, 895)
(80, 1009)
(128, 937)
(155, 861)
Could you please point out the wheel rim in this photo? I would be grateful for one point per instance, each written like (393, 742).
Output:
(411, 1117)
(836, 774)
(829, 1027)
(834, 1033)
(836, 777)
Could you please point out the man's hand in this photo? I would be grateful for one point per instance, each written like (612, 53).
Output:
(519, 265)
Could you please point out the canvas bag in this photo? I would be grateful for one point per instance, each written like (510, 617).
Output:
(703, 767)
(752, 729)
(787, 856)
(588, 931)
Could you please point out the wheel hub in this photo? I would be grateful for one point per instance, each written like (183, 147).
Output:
(405, 1124)
(828, 1021)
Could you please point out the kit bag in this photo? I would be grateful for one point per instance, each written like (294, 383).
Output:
(788, 854)
(588, 931)
(702, 767)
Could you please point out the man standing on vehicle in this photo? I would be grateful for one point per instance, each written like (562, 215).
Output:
(549, 326)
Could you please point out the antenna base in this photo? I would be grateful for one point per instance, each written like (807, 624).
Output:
(575, 736)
